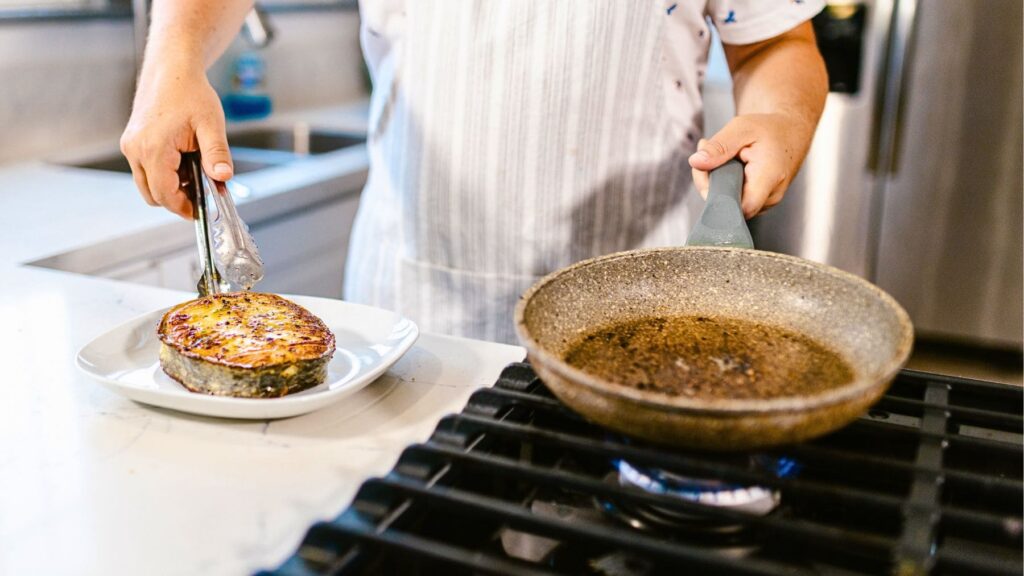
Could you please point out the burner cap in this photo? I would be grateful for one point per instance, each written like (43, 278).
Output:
(758, 500)
(754, 499)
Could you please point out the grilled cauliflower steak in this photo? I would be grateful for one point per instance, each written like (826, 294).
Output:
(244, 344)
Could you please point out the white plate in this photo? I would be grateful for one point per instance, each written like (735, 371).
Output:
(368, 341)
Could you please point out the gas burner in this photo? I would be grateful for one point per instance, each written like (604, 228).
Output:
(507, 486)
(753, 499)
(757, 500)
(577, 508)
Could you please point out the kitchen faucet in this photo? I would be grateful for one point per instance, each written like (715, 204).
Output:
(256, 28)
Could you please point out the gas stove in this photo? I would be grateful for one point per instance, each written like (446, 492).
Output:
(929, 482)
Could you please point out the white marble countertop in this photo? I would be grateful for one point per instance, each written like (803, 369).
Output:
(92, 483)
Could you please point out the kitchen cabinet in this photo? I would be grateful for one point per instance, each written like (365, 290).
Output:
(180, 270)
(145, 272)
(303, 253)
(177, 270)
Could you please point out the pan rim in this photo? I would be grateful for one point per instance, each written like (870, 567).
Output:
(859, 385)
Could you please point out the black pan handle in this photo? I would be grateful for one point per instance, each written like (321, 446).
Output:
(722, 223)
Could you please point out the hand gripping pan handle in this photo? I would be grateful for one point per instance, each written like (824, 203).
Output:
(722, 223)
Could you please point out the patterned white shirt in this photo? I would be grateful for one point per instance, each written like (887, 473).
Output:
(512, 138)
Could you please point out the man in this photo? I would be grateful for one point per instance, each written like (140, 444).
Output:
(511, 138)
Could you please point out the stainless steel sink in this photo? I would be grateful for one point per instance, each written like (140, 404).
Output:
(258, 148)
(298, 140)
(120, 164)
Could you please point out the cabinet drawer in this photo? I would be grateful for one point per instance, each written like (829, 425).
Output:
(145, 272)
(309, 277)
(323, 229)
(303, 253)
(180, 270)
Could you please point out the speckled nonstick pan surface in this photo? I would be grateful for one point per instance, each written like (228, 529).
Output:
(847, 314)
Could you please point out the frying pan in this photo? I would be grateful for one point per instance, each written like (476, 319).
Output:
(717, 274)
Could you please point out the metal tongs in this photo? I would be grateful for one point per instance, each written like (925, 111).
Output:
(227, 251)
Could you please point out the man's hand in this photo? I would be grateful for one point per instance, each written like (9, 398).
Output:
(174, 113)
(780, 86)
(765, 143)
(176, 110)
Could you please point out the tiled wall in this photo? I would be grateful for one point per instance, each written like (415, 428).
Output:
(68, 84)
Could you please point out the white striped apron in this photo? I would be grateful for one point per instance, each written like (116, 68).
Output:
(512, 138)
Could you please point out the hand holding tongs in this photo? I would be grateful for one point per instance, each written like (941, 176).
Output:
(227, 251)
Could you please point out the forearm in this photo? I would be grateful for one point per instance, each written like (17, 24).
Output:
(780, 87)
(191, 34)
(784, 76)
(176, 109)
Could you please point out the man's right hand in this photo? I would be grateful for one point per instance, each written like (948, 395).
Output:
(176, 110)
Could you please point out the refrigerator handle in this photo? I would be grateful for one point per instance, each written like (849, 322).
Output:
(883, 158)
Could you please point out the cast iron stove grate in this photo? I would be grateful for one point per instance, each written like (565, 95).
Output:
(928, 483)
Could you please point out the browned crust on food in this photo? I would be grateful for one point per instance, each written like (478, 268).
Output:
(245, 330)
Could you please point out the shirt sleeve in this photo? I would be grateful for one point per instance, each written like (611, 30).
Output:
(749, 21)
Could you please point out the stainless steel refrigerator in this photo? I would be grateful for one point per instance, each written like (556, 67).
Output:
(914, 179)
